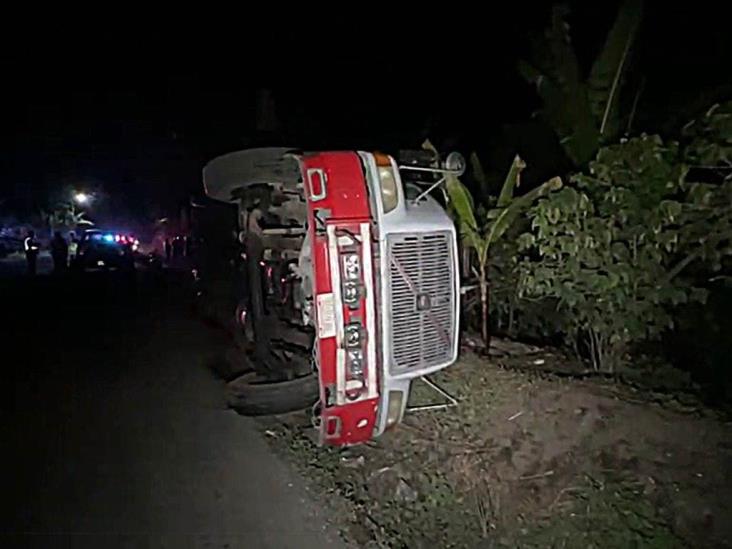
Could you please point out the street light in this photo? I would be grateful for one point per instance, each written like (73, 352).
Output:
(81, 198)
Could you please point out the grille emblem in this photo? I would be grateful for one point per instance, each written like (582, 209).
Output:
(423, 302)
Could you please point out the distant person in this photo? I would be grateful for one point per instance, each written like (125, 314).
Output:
(59, 253)
(30, 246)
(168, 249)
(177, 247)
(188, 248)
(73, 247)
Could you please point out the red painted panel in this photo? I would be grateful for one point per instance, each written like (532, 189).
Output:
(340, 198)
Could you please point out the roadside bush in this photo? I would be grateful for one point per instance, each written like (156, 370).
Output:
(613, 251)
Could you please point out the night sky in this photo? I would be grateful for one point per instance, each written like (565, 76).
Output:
(136, 103)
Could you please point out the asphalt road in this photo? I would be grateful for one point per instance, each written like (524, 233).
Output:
(114, 432)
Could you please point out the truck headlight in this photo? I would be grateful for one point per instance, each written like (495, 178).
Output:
(355, 362)
(388, 186)
(351, 266)
(387, 182)
(351, 293)
(353, 335)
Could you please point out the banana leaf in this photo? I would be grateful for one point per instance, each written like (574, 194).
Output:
(607, 72)
(462, 203)
(513, 180)
(518, 205)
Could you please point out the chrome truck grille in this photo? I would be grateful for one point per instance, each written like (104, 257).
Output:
(421, 288)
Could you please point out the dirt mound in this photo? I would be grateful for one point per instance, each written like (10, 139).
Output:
(533, 462)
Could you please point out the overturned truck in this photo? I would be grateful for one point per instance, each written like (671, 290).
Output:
(348, 284)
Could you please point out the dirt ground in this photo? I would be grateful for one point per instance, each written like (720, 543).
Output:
(530, 460)
(116, 435)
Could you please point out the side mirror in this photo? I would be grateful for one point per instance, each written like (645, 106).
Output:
(455, 164)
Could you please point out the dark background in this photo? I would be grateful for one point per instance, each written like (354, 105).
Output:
(135, 103)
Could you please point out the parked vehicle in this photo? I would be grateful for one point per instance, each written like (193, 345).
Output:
(10, 245)
(105, 250)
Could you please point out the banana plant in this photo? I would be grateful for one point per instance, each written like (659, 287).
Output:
(481, 231)
(583, 110)
(65, 215)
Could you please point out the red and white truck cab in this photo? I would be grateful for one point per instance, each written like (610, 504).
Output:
(368, 262)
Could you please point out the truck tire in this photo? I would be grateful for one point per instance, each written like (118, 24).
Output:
(250, 396)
